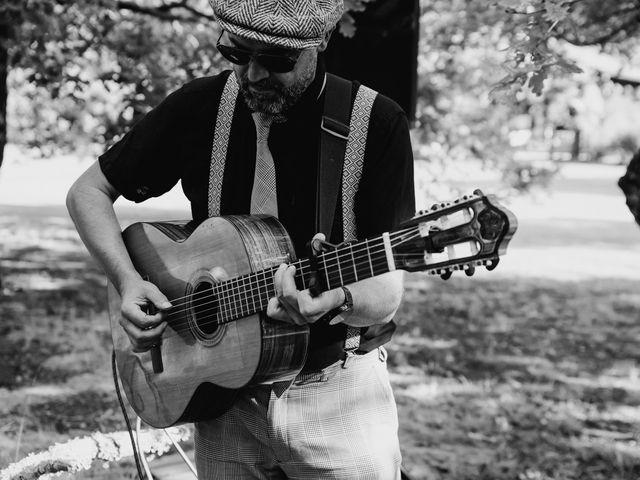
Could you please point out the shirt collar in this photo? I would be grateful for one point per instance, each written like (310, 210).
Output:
(312, 94)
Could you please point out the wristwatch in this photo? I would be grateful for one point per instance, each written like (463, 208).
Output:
(347, 306)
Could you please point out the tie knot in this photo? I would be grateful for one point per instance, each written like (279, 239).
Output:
(263, 124)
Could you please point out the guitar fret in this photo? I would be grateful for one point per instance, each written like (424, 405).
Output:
(302, 279)
(323, 259)
(261, 288)
(234, 302)
(244, 301)
(353, 260)
(255, 293)
(269, 288)
(239, 297)
(223, 301)
(247, 293)
(233, 299)
(366, 242)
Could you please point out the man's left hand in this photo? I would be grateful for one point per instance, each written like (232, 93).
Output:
(299, 306)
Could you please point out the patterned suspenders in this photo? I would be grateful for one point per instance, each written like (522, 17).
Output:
(221, 136)
(351, 170)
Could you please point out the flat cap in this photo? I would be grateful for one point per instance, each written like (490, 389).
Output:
(285, 23)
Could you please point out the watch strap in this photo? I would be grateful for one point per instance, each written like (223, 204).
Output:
(347, 306)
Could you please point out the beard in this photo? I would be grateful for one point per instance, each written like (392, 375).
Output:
(273, 97)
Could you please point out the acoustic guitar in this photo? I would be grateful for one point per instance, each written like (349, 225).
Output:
(218, 338)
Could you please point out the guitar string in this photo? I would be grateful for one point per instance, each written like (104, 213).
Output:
(393, 237)
(233, 308)
(302, 268)
(231, 311)
(240, 313)
(235, 311)
(236, 305)
(215, 316)
(207, 320)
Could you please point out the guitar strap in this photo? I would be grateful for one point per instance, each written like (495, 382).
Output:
(342, 149)
(334, 135)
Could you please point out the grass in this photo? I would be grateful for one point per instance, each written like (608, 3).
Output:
(515, 380)
(495, 378)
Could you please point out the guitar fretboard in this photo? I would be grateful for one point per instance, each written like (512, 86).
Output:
(249, 294)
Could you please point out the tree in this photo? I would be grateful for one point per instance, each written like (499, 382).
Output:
(70, 50)
(537, 29)
(94, 67)
(89, 68)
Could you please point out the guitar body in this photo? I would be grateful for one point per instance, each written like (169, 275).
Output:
(203, 362)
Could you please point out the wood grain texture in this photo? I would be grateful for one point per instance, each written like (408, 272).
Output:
(250, 350)
(284, 345)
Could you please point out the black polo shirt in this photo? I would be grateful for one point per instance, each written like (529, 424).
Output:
(173, 143)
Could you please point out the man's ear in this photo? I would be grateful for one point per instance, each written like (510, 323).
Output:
(325, 41)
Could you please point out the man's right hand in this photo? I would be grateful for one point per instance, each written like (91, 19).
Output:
(144, 330)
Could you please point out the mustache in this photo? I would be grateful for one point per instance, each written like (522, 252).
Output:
(264, 84)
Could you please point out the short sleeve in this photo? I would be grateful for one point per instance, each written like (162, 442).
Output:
(150, 158)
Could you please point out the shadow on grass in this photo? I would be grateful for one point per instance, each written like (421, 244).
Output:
(526, 379)
(535, 379)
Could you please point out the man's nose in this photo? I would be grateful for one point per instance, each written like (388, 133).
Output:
(256, 72)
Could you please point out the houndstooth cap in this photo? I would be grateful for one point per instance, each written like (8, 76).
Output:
(286, 23)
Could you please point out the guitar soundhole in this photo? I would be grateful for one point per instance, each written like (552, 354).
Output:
(203, 311)
(205, 308)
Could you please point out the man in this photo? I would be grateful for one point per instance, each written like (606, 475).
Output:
(630, 185)
(338, 418)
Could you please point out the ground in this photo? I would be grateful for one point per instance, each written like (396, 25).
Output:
(530, 372)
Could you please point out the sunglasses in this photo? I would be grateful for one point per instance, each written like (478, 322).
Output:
(274, 63)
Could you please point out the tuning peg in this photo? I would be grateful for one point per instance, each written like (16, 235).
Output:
(470, 271)
(446, 275)
(492, 264)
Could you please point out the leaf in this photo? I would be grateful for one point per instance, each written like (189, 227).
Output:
(536, 81)
(505, 92)
(568, 66)
(355, 5)
(555, 10)
(347, 26)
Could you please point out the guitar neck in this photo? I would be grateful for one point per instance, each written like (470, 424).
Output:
(250, 294)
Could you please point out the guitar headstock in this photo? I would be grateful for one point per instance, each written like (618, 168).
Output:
(459, 235)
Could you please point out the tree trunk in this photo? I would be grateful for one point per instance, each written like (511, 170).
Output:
(4, 70)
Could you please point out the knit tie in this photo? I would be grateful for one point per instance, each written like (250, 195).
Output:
(263, 195)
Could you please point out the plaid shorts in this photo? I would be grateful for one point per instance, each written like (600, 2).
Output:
(339, 423)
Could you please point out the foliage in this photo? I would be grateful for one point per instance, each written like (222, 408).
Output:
(92, 69)
(536, 26)
(82, 72)
(347, 26)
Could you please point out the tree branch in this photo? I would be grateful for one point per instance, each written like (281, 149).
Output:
(165, 11)
(631, 24)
